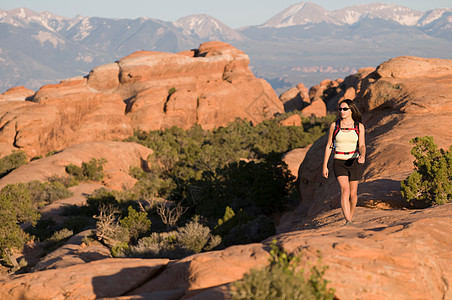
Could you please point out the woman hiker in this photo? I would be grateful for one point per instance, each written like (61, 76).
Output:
(346, 140)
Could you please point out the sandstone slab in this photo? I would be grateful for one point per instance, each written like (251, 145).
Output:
(120, 157)
(103, 278)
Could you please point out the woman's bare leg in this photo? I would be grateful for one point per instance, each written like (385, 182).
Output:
(345, 196)
(353, 197)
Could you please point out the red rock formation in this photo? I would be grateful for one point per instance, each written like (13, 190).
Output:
(309, 102)
(293, 120)
(18, 93)
(405, 67)
(317, 108)
(347, 89)
(295, 98)
(60, 121)
(385, 254)
(329, 91)
(149, 90)
(211, 88)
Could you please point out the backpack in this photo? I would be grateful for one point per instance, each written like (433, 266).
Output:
(336, 131)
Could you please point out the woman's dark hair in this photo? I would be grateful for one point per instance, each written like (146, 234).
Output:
(356, 115)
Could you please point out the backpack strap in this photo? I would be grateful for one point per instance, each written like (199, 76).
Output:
(337, 127)
(357, 128)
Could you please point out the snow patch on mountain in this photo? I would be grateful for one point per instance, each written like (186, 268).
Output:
(288, 16)
(44, 37)
(84, 29)
(433, 15)
(299, 14)
(207, 28)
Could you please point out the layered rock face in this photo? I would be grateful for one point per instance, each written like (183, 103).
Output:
(210, 86)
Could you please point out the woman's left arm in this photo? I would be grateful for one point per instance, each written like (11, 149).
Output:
(362, 144)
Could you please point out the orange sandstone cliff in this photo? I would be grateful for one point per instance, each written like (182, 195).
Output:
(209, 86)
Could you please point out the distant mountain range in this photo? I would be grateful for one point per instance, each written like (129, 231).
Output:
(303, 43)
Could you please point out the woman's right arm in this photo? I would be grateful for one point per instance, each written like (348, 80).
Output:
(328, 149)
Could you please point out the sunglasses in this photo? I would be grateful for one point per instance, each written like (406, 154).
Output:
(343, 108)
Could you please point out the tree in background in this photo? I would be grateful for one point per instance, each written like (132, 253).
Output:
(431, 181)
(16, 207)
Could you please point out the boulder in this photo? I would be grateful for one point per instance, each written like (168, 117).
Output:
(18, 93)
(65, 87)
(295, 98)
(316, 108)
(104, 78)
(404, 67)
(293, 120)
(197, 273)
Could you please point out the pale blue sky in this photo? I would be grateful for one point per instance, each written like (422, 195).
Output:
(234, 13)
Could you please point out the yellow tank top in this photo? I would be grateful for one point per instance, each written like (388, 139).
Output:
(346, 141)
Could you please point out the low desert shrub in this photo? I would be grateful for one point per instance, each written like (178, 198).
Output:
(158, 245)
(171, 91)
(58, 238)
(189, 239)
(137, 223)
(170, 213)
(11, 162)
(281, 280)
(431, 181)
(92, 170)
(67, 181)
(47, 191)
(256, 187)
(151, 184)
(121, 249)
(101, 198)
(196, 237)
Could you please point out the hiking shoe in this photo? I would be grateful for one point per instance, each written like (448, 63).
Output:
(348, 223)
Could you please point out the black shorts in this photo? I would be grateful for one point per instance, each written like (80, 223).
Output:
(348, 167)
